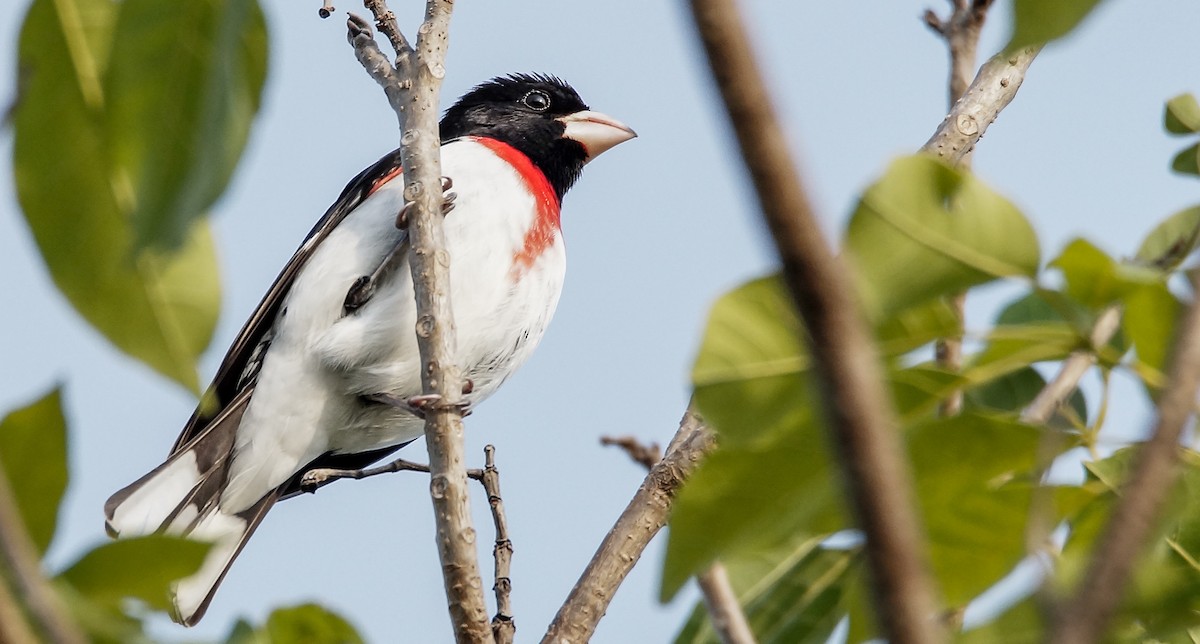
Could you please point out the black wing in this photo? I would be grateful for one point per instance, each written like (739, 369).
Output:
(241, 362)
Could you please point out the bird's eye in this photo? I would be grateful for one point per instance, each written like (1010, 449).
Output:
(537, 100)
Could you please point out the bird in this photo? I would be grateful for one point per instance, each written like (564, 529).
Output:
(326, 373)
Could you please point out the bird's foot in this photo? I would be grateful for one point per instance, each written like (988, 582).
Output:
(417, 405)
(448, 199)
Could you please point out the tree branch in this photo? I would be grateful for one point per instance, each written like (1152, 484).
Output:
(991, 91)
(504, 627)
(413, 93)
(1082, 619)
(854, 400)
(724, 611)
(1056, 392)
(621, 548)
(19, 559)
(961, 31)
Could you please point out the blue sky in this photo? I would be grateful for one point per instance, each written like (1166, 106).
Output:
(656, 229)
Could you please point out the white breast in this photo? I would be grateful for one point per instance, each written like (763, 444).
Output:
(307, 403)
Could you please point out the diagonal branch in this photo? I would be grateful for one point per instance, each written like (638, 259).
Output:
(413, 93)
(1082, 618)
(645, 515)
(720, 600)
(854, 400)
(992, 90)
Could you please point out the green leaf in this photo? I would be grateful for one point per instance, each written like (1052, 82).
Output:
(723, 509)
(159, 308)
(1014, 391)
(789, 595)
(1012, 348)
(1095, 279)
(195, 70)
(1187, 161)
(1182, 114)
(917, 326)
(972, 480)
(926, 229)
(1172, 241)
(33, 451)
(1149, 322)
(1036, 21)
(138, 567)
(752, 332)
(310, 623)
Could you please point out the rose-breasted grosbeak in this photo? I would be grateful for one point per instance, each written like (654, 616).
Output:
(318, 376)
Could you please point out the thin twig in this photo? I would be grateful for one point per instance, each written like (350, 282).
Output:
(854, 400)
(413, 93)
(504, 627)
(19, 559)
(1083, 618)
(644, 454)
(621, 548)
(14, 626)
(724, 611)
(961, 31)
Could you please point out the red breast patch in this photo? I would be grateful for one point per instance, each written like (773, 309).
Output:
(546, 222)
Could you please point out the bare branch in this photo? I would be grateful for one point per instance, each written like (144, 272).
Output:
(504, 628)
(19, 560)
(961, 31)
(853, 396)
(724, 611)
(413, 92)
(645, 455)
(623, 545)
(1082, 618)
(991, 91)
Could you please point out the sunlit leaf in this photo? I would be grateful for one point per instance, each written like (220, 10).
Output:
(1095, 279)
(972, 480)
(139, 567)
(1036, 21)
(1182, 114)
(1149, 322)
(33, 451)
(926, 229)
(195, 71)
(159, 308)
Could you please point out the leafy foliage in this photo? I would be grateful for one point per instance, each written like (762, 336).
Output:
(113, 219)
(303, 623)
(767, 501)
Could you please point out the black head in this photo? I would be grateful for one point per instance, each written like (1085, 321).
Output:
(532, 113)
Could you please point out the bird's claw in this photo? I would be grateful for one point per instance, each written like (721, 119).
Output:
(448, 203)
(356, 27)
(417, 405)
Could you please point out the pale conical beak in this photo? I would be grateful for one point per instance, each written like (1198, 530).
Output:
(596, 132)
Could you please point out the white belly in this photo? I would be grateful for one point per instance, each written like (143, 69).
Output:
(307, 398)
